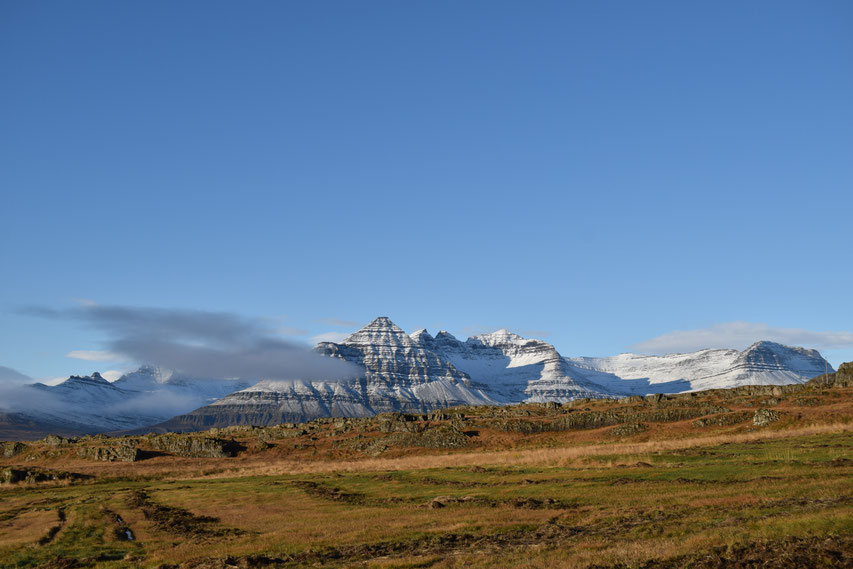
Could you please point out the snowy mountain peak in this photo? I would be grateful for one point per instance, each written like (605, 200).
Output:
(382, 323)
(422, 333)
(447, 342)
(422, 339)
(500, 337)
(157, 374)
(774, 347)
(379, 332)
(85, 380)
(770, 356)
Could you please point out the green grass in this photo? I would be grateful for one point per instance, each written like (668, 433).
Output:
(608, 509)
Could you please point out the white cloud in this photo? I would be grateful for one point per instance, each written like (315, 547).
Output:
(52, 380)
(336, 337)
(94, 355)
(111, 375)
(740, 335)
(199, 343)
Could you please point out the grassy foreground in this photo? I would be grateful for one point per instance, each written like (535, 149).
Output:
(653, 490)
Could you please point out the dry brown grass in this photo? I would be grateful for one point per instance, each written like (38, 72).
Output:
(564, 456)
(697, 488)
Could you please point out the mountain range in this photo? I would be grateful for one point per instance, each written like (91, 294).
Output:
(414, 372)
(422, 373)
(91, 404)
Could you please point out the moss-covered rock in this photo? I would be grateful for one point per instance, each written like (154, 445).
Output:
(56, 441)
(722, 420)
(764, 417)
(11, 449)
(197, 447)
(121, 452)
(400, 423)
(841, 378)
(446, 436)
(15, 475)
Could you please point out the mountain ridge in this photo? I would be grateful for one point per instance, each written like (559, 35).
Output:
(419, 372)
(402, 372)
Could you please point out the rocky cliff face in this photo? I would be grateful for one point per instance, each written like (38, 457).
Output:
(393, 359)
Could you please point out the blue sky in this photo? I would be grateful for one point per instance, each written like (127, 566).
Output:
(598, 174)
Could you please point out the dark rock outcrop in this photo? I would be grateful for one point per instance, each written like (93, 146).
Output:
(124, 451)
(765, 417)
(198, 447)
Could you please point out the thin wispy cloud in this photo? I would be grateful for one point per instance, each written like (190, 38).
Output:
(93, 355)
(201, 343)
(111, 374)
(336, 337)
(740, 335)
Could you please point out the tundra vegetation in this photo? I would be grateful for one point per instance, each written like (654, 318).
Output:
(746, 477)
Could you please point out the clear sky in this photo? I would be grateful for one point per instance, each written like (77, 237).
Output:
(596, 174)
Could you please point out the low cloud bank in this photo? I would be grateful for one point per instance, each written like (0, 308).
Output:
(200, 343)
(9, 376)
(19, 397)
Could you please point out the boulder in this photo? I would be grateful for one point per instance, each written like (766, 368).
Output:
(116, 453)
(197, 447)
(764, 417)
(11, 449)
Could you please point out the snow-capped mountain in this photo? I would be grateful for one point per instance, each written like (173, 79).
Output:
(419, 372)
(512, 369)
(90, 404)
(763, 363)
(401, 372)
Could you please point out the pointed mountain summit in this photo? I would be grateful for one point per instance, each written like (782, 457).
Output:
(82, 380)
(391, 358)
(380, 332)
(400, 373)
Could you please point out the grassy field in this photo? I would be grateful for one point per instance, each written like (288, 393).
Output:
(677, 493)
